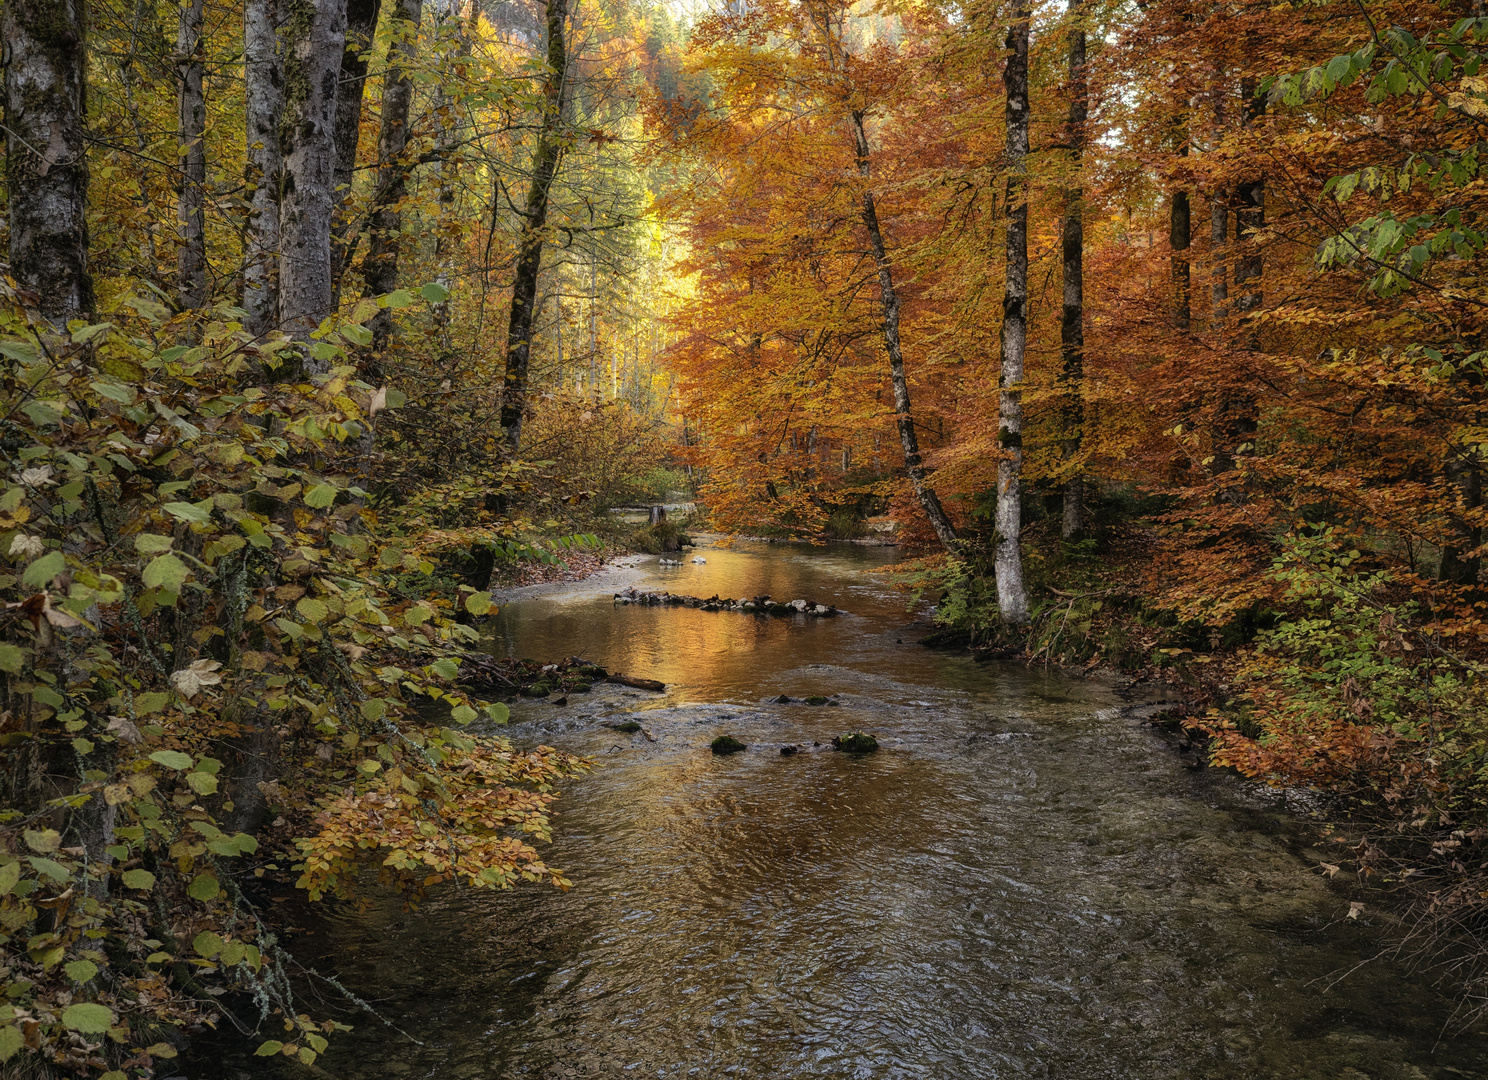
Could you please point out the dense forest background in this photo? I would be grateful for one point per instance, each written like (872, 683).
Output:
(1156, 327)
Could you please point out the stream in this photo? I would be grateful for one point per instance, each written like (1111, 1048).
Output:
(1023, 882)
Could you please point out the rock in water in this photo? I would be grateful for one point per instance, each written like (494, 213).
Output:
(789, 749)
(816, 699)
(856, 742)
(726, 744)
(630, 727)
(783, 699)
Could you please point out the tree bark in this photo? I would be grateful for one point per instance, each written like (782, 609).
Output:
(1219, 238)
(1072, 321)
(1012, 596)
(314, 35)
(191, 102)
(529, 252)
(46, 166)
(263, 106)
(351, 87)
(945, 532)
(1180, 234)
(380, 268)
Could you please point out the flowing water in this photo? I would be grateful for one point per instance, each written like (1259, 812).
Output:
(1023, 882)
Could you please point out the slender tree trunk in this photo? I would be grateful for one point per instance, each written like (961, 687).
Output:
(889, 299)
(46, 166)
(1072, 321)
(1238, 421)
(1219, 238)
(1012, 596)
(264, 106)
(380, 268)
(191, 260)
(1458, 565)
(351, 87)
(446, 108)
(314, 33)
(529, 252)
(1180, 235)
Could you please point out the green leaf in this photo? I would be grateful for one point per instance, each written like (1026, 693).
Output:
(84, 334)
(39, 573)
(21, 351)
(498, 712)
(12, 658)
(462, 714)
(201, 783)
(400, 298)
(357, 335)
(44, 412)
(138, 879)
(165, 572)
(88, 1018)
(80, 970)
(152, 543)
(172, 759)
(207, 944)
(203, 887)
(11, 1040)
(9, 875)
(190, 511)
(145, 704)
(434, 292)
(445, 667)
(42, 840)
(122, 368)
(54, 870)
(478, 603)
(269, 1049)
(321, 496)
(311, 609)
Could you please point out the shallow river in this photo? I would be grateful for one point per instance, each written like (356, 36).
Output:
(1024, 882)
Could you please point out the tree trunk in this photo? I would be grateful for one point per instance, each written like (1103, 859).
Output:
(314, 33)
(1180, 230)
(1238, 421)
(1012, 597)
(889, 301)
(351, 86)
(46, 167)
(263, 107)
(380, 268)
(446, 109)
(529, 252)
(1072, 321)
(1219, 237)
(191, 260)
(1458, 565)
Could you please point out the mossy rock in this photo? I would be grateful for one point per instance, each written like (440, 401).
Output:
(856, 742)
(817, 699)
(580, 688)
(630, 727)
(540, 689)
(726, 744)
(591, 671)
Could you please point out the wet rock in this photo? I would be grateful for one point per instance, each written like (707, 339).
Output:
(561, 701)
(630, 727)
(855, 742)
(579, 688)
(539, 689)
(789, 749)
(726, 744)
(783, 699)
(834, 704)
(817, 699)
(797, 605)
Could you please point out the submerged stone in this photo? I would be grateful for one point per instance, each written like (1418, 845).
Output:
(817, 699)
(783, 699)
(630, 727)
(540, 689)
(726, 744)
(856, 742)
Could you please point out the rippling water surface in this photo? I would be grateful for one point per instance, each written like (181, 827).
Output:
(1022, 883)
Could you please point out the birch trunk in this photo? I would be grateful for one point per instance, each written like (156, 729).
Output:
(351, 87)
(263, 107)
(314, 37)
(534, 225)
(380, 268)
(191, 259)
(46, 167)
(1012, 596)
(914, 465)
(1072, 321)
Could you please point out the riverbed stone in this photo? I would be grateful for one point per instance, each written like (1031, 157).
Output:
(726, 744)
(817, 699)
(630, 727)
(856, 742)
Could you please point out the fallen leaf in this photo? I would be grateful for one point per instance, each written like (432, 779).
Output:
(190, 680)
